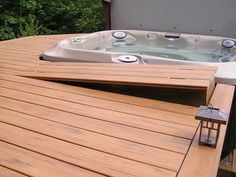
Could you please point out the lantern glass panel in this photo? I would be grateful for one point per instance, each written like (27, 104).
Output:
(209, 133)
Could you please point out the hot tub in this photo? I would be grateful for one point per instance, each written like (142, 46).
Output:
(148, 47)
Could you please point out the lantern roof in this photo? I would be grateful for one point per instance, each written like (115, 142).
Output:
(211, 114)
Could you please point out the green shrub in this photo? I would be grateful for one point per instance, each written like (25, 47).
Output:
(32, 17)
(29, 26)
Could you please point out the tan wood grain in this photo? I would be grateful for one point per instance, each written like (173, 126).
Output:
(106, 96)
(207, 69)
(122, 80)
(140, 136)
(122, 72)
(160, 73)
(178, 69)
(163, 123)
(97, 141)
(9, 71)
(155, 68)
(82, 156)
(6, 172)
(15, 67)
(91, 101)
(34, 164)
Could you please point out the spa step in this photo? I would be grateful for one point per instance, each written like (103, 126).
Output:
(190, 80)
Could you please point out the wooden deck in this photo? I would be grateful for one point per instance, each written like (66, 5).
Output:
(51, 129)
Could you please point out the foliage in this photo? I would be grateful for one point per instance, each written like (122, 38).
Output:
(29, 26)
(32, 17)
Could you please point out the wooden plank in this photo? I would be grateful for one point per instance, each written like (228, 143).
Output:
(191, 69)
(81, 156)
(126, 77)
(40, 99)
(210, 69)
(15, 67)
(163, 123)
(121, 74)
(111, 72)
(33, 164)
(47, 66)
(91, 140)
(22, 58)
(161, 73)
(147, 138)
(210, 91)
(200, 160)
(90, 101)
(18, 70)
(6, 172)
(107, 96)
(40, 38)
(21, 51)
(9, 71)
(119, 68)
(28, 49)
(119, 80)
(18, 62)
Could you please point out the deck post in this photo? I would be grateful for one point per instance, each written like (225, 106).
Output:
(107, 13)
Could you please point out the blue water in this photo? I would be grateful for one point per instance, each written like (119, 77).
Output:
(188, 53)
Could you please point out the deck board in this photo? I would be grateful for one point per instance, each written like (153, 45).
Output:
(109, 105)
(84, 157)
(171, 126)
(106, 97)
(106, 128)
(87, 138)
(146, 75)
(101, 71)
(8, 172)
(35, 164)
(160, 77)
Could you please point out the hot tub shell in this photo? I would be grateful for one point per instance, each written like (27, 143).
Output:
(78, 49)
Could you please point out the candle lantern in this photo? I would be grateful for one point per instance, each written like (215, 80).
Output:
(211, 119)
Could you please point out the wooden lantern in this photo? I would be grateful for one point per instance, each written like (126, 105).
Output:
(211, 119)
